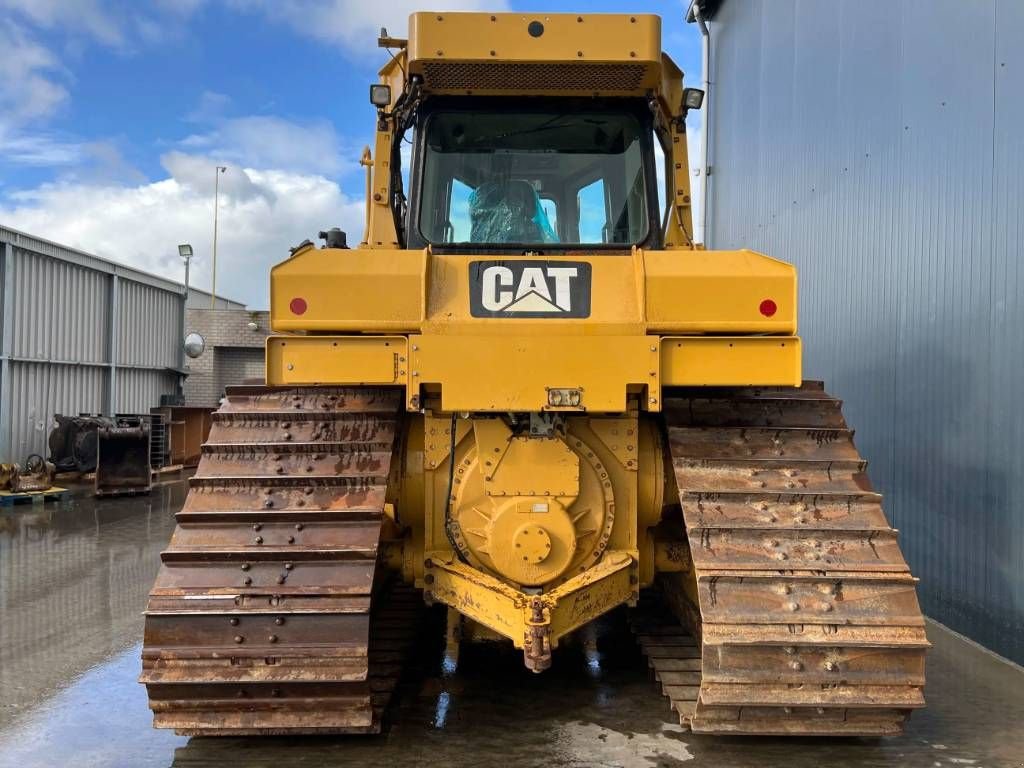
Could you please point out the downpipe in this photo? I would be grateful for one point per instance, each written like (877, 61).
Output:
(704, 170)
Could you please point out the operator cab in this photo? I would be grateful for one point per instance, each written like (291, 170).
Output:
(538, 175)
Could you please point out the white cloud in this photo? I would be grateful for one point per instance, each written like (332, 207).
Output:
(86, 16)
(262, 214)
(353, 24)
(28, 88)
(212, 106)
(118, 24)
(36, 149)
(264, 141)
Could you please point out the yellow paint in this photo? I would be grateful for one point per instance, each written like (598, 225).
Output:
(481, 373)
(365, 290)
(333, 359)
(441, 42)
(726, 361)
(509, 611)
(530, 536)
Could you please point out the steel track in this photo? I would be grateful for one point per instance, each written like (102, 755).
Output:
(269, 614)
(807, 620)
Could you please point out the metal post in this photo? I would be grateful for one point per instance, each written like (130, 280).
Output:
(181, 333)
(705, 168)
(113, 342)
(6, 343)
(216, 208)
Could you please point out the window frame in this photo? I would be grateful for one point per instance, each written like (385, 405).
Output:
(636, 108)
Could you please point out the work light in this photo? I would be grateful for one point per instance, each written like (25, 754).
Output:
(693, 98)
(380, 95)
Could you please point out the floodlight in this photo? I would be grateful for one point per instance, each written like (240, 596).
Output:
(380, 95)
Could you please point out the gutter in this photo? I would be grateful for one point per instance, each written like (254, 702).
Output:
(696, 14)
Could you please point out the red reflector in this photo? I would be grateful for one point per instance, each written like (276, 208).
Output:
(299, 307)
(768, 308)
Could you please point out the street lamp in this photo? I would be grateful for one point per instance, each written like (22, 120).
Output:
(216, 207)
(185, 252)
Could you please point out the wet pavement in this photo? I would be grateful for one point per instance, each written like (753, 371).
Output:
(73, 583)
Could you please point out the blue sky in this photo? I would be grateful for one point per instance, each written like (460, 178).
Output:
(113, 114)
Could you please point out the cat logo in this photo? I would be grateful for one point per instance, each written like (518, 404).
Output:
(529, 289)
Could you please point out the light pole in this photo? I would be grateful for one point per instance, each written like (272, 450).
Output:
(216, 207)
(185, 251)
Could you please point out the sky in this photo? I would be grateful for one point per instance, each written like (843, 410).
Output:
(115, 113)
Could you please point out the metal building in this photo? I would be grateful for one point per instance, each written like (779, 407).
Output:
(877, 146)
(79, 334)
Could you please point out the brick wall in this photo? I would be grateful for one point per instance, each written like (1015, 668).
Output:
(234, 352)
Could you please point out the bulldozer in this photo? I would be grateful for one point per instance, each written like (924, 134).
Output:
(529, 396)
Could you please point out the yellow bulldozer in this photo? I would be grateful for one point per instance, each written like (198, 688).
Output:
(528, 395)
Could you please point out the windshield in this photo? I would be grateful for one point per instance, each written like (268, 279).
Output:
(538, 178)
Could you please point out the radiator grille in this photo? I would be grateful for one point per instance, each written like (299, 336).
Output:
(526, 76)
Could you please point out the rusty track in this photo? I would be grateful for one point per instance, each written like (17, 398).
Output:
(260, 620)
(807, 615)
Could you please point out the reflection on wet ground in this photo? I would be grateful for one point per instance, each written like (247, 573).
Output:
(73, 580)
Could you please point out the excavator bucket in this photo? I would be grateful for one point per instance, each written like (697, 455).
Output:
(122, 464)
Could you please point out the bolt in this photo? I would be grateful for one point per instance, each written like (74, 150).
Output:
(259, 539)
(247, 581)
(831, 666)
(239, 639)
(796, 666)
(233, 621)
(288, 566)
(298, 526)
(291, 539)
(279, 621)
(272, 638)
(792, 606)
(245, 566)
(280, 579)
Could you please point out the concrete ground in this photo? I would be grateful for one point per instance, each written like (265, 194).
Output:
(73, 583)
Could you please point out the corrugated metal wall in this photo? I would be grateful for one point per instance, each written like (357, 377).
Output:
(79, 335)
(877, 146)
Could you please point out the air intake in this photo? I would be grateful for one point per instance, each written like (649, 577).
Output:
(519, 77)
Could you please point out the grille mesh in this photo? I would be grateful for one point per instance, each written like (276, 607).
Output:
(526, 76)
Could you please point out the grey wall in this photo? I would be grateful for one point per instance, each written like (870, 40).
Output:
(78, 334)
(877, 145)
(234, 352)
(200, 299)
